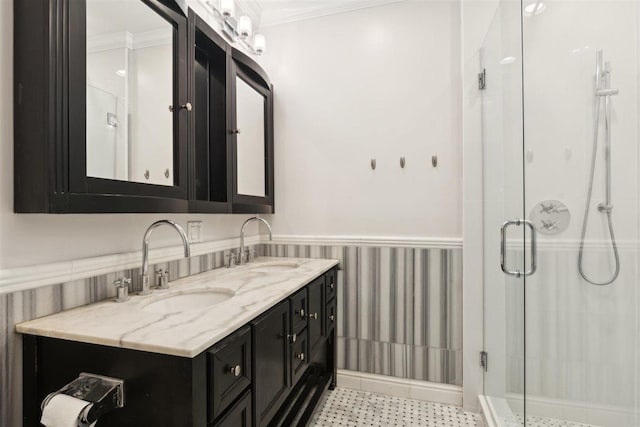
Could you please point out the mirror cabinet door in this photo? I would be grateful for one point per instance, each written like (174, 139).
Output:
(252, 134)
(127, 83)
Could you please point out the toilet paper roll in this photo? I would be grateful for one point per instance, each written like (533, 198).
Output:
(63, 411)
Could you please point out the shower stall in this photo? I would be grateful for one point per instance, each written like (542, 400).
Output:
(560, 104)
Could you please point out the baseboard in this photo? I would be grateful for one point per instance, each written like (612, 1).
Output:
(400, 387)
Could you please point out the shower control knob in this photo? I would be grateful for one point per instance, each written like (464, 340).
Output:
(550, 216)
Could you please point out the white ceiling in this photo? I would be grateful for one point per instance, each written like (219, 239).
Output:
(274, 12)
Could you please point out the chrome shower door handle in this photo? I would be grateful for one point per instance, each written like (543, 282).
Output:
(503, 248)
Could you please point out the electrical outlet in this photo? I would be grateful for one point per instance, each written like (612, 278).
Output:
(194, 229)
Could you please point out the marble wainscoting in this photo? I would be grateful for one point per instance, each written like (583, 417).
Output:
(399, 308)
(29, 304)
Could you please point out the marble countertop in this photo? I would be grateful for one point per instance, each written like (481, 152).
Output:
(257, 287)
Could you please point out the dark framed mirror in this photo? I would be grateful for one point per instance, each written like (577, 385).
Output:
(101, 106)
(251, 133)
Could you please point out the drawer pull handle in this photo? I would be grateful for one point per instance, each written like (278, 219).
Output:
(235, 370)
(300, 312)
(331, 317)
(292, 338)
(300, 356)
(313, 315)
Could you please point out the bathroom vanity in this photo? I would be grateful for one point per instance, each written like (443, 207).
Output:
(248, 346)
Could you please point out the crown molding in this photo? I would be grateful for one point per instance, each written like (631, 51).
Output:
(318, 10)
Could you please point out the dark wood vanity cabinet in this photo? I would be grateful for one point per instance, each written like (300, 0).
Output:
(136, 115)
(259, 375)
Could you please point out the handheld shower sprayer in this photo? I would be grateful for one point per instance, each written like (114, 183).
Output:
(602, 90)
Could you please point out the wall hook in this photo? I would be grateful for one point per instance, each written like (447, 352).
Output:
(402, 162)
(434, 161)
(373, 164)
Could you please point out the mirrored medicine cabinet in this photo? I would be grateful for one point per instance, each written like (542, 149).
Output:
(136, 106)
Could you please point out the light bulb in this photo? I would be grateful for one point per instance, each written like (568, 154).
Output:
(259, 43)
(244, 27)
(227, 7)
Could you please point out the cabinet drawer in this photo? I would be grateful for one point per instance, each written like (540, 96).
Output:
(316, 313)
(229, 371)
(330, 321)
(300, 359)
(239, 415)
(299, 311)
(331, 284)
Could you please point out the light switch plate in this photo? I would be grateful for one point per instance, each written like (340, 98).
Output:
(194, 230)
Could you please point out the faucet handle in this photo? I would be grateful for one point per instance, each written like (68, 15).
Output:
(122, 289)
(230, 259)
(163, 279)
(252, 255)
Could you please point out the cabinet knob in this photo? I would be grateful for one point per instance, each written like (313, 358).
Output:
(292, 338)
(300, 356)
(300, 312)
(332, 317)
(235, 370)
(186, 106)
(331, 286)
(313, 315)
(235, 131)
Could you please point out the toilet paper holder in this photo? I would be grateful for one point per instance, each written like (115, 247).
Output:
(103, 394)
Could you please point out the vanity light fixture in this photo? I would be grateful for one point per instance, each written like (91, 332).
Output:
(227, 8)
(239, 31)
(259, 43)
(244, 27)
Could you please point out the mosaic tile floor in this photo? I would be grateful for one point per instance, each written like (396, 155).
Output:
(345, 407)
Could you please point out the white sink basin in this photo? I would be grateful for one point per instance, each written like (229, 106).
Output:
(193, 300)
(275, 267)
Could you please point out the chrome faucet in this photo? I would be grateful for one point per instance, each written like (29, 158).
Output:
(146, 285)
(242, 249)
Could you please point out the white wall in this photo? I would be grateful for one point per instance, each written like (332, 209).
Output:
(31, 239)
(382, 82)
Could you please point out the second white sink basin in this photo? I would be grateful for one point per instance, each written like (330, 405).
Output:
(275, 267)
(193, 300)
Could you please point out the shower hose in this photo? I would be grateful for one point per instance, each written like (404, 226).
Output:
(606, 209)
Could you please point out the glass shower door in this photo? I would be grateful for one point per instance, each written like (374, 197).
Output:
(560, 131)
(506, 243)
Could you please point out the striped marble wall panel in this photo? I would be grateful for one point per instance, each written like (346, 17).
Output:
(399, 309)
(26, 305)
